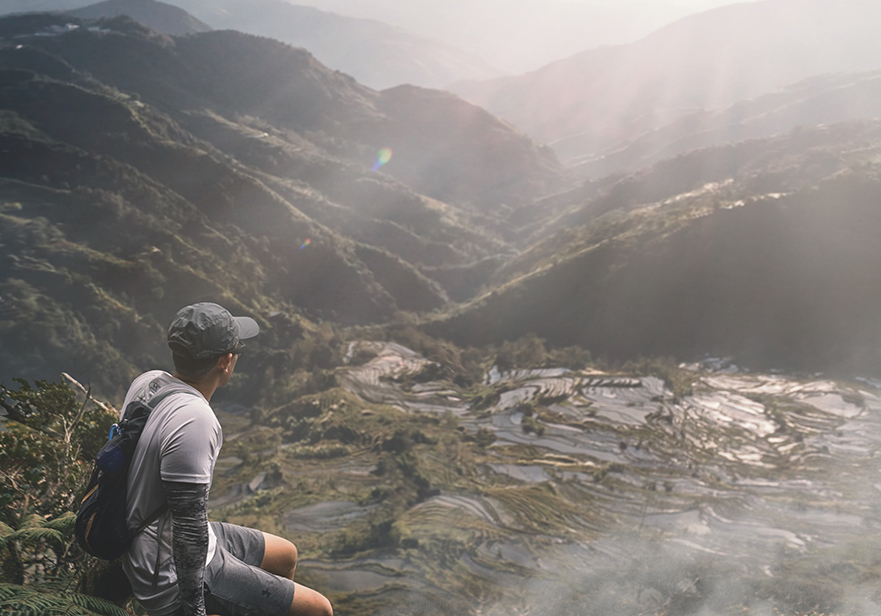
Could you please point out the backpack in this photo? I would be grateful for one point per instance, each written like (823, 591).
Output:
(101, 527)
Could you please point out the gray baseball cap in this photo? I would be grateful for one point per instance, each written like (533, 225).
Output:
(207, 330)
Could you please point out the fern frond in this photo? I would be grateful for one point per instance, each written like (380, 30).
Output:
(5, 530)
(98, 606)
(31, 535)
(18, 600)
(45, 604)
(32, 521)
(13, 596)
(64, 523)
(11, 591)
(23, 600)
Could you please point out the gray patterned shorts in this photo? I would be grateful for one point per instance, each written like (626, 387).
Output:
(235, 585)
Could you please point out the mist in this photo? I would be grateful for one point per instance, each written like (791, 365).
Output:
(522, 35)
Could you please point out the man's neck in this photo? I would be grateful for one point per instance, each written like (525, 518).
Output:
(206, 387)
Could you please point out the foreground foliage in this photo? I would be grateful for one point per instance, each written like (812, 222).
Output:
(18, 600)
(46, 452)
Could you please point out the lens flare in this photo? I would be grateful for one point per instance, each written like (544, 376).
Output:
(382, 158)
(306, 243)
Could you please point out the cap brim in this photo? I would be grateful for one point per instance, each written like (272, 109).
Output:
(248, 327)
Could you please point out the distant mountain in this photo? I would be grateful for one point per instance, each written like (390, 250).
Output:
(818, 100)
(158, 16)
(437, 139)
(765, 250)
(29, 6)
(373, 52)
(141, 172)
(518, 36)
(600, 100)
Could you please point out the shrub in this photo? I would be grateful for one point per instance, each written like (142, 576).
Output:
(45, 454)
(45, 458)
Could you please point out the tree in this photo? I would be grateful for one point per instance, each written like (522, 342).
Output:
(47, 449)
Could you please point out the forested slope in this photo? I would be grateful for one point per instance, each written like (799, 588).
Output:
(142, 172)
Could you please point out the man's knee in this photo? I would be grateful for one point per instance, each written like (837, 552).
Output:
(280, 556)
(292, 554)
(308, 602)
(325, 608)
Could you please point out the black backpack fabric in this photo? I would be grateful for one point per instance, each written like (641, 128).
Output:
(101, 527)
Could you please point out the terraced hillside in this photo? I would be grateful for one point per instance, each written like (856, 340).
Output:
(554, 491)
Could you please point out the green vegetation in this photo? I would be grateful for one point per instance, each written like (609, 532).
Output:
(46, 453)
(530, 352)
(46, 449)
(678, 380)
(23, 601)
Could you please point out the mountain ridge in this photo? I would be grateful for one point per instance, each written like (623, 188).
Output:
(827, 99)
(158, 16)
(761, 251)
(613, 94)
(373, 52)
(132, 184)
(521, 36)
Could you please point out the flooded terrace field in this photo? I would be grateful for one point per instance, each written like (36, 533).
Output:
(560, 492)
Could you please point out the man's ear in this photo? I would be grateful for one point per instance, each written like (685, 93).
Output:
(224, 361)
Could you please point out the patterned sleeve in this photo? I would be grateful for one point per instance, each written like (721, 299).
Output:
(188, 504)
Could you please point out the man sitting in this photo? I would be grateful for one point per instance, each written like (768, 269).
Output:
(181, 564)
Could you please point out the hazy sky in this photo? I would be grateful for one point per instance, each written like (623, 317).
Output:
(521, 35)
(695, 5)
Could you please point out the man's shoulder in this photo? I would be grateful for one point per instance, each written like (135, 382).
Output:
(142, 381)
(182, 415)
(189, 400)
(141, 386)
(146, 376)
(174, 391)
(183, 404)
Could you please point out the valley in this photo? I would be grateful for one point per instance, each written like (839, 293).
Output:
(602, 338)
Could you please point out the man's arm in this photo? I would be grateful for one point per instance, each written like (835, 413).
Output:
(188, 504)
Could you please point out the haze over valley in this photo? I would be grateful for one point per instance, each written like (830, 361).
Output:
(522, 35)
(547, 327)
